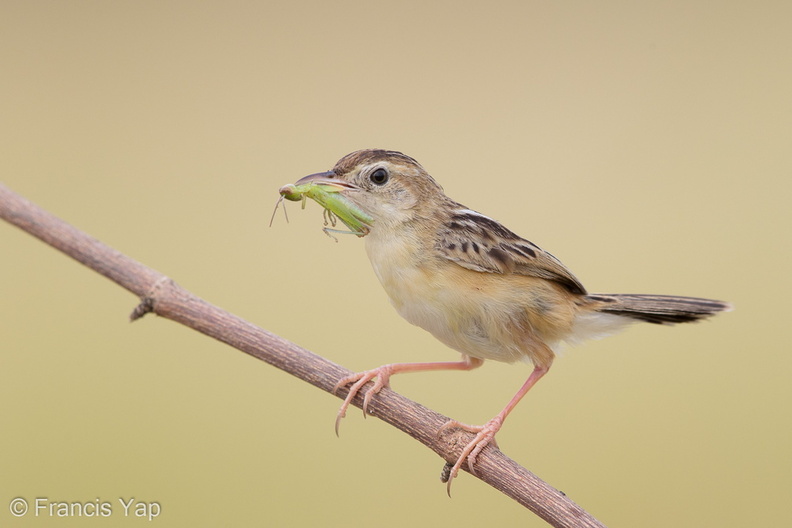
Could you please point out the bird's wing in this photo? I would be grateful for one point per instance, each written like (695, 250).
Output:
(479, 243)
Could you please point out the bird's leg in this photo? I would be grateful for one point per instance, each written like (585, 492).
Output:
(485, 434)
(383, 374)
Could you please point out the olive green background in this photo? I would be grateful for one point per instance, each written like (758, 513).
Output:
(645, 145)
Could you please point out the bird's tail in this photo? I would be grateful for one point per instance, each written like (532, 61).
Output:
(658, 309)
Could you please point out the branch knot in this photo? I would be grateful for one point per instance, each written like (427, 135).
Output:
(147, 301)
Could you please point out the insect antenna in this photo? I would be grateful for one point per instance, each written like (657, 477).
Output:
(285, 214)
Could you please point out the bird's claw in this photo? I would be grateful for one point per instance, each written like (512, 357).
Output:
(358, 380)
(485, 435)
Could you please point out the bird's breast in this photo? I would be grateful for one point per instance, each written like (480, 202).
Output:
(483, 315)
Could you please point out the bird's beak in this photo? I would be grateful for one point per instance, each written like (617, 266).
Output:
(327, 180)
(327, 190)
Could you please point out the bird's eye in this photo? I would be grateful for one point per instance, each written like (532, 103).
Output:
(379, 176)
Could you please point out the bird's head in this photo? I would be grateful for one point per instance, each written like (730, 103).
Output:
(369, 188)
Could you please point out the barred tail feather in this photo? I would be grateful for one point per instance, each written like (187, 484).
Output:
(658, 309)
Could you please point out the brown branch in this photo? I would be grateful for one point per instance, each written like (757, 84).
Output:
(161, 295)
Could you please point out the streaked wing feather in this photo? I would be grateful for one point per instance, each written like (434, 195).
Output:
(479, 243)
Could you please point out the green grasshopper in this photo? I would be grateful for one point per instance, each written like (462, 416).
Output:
(336, 206)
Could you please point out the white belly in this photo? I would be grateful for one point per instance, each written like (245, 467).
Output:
(462, 317)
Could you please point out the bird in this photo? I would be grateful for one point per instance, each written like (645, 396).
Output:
(472, 283)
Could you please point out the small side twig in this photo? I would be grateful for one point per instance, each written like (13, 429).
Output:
(162, 296)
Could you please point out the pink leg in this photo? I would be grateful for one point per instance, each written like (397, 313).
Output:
(383, 375)
(485, 434)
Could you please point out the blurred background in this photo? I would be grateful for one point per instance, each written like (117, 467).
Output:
(645, 145)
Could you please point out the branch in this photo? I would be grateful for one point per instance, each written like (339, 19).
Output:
(161, 295)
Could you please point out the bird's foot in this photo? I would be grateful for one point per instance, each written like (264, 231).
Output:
(358, 380)
(485, 435)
